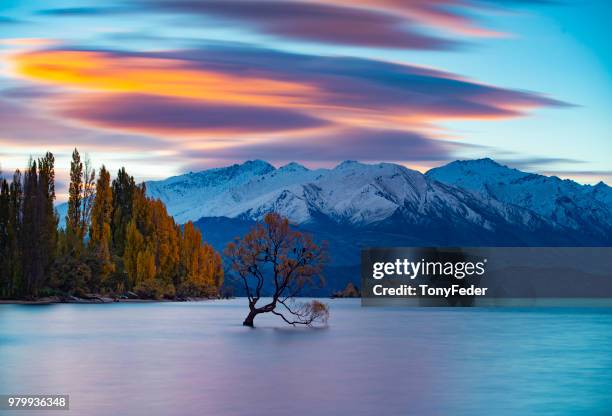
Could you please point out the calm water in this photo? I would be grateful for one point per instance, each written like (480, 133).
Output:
(197, 359)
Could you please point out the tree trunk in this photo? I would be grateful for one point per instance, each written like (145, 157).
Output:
(250, 318)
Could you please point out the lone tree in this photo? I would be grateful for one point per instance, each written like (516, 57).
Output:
(272, 256)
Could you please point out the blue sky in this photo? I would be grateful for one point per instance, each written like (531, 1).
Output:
(164, 87)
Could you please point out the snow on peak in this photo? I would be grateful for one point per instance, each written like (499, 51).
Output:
(347, 164)
(474, 175)
(487, 161)
(353, 192)
(603, 193)
(476, 167)
(293, 167)
(257, 165)
(565, 202)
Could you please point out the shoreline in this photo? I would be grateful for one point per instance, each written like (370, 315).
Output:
(107, 300)
(97, 301)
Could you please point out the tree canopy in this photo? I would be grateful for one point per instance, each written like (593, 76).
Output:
(116, 239)
(274, 256)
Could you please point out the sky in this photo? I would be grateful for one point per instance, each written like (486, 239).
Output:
(164, 87)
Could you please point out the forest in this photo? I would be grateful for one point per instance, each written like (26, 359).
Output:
(115, 241)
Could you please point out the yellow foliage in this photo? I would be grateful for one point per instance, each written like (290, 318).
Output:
(156, 248)
(100, 231)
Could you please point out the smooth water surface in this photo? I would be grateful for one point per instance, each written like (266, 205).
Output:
(196, 359)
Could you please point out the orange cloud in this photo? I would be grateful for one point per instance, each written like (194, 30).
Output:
(100, 71)
(227, 91)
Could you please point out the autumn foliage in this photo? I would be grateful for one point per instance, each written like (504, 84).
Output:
(116, 239)
(274, 256)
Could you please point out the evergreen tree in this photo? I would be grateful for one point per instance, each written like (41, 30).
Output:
(46, 211)
(39, 227)
(124, 189)
(70, 275)
(74, 229)
(33, 265)
(13, 260)
(4, 238)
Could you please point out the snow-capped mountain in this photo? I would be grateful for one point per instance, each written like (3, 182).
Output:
(582, 208)
(449, 205)
(352, 193)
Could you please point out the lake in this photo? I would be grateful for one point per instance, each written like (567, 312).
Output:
(196, 358)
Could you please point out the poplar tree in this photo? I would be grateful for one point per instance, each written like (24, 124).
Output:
(165, 241)
(201, 266)
(74, 229)
(14, 263)
(89, 192)
(70, 273)
(39, 227)
(10, 220)
(161, 259)
(138, 255)
(45, 203)
(31, 231)
(134, 244)
(100, 229)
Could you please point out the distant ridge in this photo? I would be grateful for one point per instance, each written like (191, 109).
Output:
(562, 202)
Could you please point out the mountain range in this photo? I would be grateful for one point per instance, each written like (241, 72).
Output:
(494, 203)
(464, 203)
